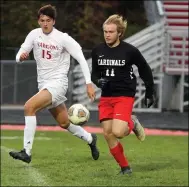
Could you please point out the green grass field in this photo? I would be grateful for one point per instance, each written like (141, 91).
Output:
(60, 159)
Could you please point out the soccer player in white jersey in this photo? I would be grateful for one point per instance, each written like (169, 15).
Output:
(52, 50)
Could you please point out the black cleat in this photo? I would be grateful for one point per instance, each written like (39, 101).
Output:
(126, 170)
(22, 155)
(94, 150)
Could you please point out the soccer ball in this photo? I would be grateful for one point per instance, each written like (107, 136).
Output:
(78, 114)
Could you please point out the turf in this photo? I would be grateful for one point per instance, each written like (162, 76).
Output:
(60, 159)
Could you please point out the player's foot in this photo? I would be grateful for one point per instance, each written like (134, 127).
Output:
(138, 129)
(94, 150)
(126, 170)
(21, 155)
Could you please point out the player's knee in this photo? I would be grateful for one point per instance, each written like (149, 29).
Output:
(29, 109)
(65, 124)
(107, 135)
(119, 133)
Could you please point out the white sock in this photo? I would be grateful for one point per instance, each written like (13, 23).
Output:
(80, 133)
(29, 133)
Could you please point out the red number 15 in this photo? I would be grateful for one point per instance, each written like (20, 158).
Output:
(46, 54)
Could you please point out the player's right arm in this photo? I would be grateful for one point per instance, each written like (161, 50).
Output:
(96, 74)
(25, 48)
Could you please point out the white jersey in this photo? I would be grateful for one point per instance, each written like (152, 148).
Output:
(52, 54)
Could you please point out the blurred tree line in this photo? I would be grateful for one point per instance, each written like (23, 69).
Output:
(80, 19)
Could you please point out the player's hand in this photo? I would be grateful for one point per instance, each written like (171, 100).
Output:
(149, 101)
(91, 91)
(24, 56)
(102, 82)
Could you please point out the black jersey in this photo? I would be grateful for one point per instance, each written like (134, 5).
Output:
(115, 64)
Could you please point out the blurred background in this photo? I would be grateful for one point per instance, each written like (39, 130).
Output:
(159, 29)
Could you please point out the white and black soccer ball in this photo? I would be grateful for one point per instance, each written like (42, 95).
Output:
(78, 114)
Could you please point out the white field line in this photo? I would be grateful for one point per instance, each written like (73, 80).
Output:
(37, 178)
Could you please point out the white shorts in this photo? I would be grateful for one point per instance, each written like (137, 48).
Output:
(58, 89)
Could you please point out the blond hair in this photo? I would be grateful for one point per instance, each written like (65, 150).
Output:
(119, 21)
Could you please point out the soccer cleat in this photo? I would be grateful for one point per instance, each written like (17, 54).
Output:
(138, 129)
(94, 150)
(22, 155)
(126, 170)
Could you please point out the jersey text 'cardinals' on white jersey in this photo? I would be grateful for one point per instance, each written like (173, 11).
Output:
(52, 54)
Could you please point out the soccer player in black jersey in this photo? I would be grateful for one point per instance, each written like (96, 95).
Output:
(112, 71)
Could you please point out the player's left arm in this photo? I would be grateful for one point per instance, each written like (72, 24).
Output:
(146, 75)
(76, 52)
